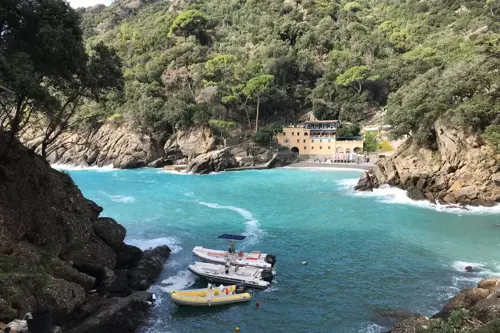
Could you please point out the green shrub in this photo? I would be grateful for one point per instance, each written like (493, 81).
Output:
(385, 146)
(492, 135)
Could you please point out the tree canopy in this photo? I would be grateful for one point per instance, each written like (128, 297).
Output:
(189, 63)
(46, 72)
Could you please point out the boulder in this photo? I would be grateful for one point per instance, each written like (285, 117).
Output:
(490, 284)
(365, 182)
(148, 269)
(115, 283)
(127, 255)
(467, 298)
(117, 315)
(488, 308)
(410, 325)
(161, 162)
(214, 161)
(195, 141)
(7, 312)
(110, 231)
(416, 193)
(62, 297)
(63, 270)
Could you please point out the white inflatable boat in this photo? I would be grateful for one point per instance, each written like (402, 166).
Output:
(254, 258)
(247, 276)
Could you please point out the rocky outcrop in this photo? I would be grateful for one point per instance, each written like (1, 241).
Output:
(55, 249)
(121, 146)
(214, 161)
(461, 170)
(482, 303)
(191, 143)
(244, 156)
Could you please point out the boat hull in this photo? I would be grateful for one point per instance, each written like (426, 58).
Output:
(253, 259)
(199, 298)
(249, 282)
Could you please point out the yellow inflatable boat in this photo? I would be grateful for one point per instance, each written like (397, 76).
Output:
(209, 296)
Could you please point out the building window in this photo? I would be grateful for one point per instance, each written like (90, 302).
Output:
(304, 140)
(284, 133)
(320, 147)
(306, 133)
(305, 148)
(286, 140)
(292, 133)
(329, 148)
(312, 147)
(298, 133)
(298, 140)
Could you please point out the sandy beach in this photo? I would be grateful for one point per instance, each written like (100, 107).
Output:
(306, 164)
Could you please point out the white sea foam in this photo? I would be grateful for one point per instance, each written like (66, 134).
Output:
(123, 198)
(370, 328)
(252, 230)
(81, 168)
(145, 244)
(395, 195)
(181, 280)
(479, 270)
(325, 168)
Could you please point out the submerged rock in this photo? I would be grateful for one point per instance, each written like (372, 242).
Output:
(410, 325)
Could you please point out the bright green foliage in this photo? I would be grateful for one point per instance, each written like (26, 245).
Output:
(370, 143)
(492, 134)
(352, 6)
(224, 127)
(385, 146)
(355, 77)
(189, 22)
(423, 60)
(349, 130)
(257, 85)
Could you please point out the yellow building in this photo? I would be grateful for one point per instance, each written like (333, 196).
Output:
(318, 138)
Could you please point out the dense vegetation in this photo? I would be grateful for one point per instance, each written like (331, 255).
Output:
(46, 74)
(273, 60)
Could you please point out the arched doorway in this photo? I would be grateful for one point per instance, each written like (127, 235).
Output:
(348, 151)
(357, 150)
(294, 150)
(339, 150)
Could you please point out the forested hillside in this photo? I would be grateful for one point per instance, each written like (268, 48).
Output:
(191, 62)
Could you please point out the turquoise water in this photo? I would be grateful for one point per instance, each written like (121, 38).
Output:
(366, 253)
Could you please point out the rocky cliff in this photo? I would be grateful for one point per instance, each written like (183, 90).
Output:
(462, 169)
(120, 145)
(124, 147)
(473, 310)
(57, 253)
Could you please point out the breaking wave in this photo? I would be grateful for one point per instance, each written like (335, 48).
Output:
(252, 229)
(181, 280)
(145, 244)
(393, 195)
(70, 167)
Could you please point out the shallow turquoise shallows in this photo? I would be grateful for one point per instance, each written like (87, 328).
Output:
(367, 253)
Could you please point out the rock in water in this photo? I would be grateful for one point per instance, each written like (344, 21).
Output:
(161, 162)
(416, 193)
(118, 314)
(148, 269)
(365, 182)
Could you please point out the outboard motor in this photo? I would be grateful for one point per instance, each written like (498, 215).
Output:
(271, 259)
(267, 275)
(240, 288)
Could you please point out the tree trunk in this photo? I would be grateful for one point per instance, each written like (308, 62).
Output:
(257, 116)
